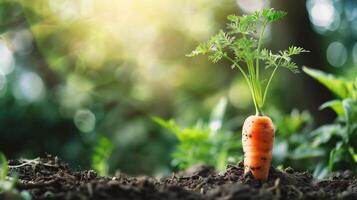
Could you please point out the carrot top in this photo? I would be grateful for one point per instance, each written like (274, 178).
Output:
(240, 44)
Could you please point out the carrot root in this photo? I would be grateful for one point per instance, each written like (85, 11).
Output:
(258, 140)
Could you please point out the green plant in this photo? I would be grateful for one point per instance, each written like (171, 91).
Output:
(100, 156)
(293, 130)
(241, 45)
(7, 183)
(206, 143)
(337, 140)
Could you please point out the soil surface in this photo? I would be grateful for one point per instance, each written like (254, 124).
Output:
(50, 178)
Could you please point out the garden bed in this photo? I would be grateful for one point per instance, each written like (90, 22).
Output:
(50, 178)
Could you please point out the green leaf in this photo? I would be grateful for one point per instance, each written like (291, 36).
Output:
(341, 158)
(101, 154)
(353, 153)
(335, 105)
(4, 167)
(193, 134)
(222, 159)
(282, 58)
(216, 56)
(288, 126)
(169, 124)
(245, 24)
(323, 134)
(243, 48)
(350, 108)
(294, 50)
(233, 18)
(201, 49)
(339, 86)
(272, 15)
(321, 171)
(306, 151)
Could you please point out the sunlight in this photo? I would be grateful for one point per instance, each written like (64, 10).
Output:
(323, 15)
(7, 64)
(30, 87)
(249, 6)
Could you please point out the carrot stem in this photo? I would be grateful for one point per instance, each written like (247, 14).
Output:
(268, 84)
(249, 81)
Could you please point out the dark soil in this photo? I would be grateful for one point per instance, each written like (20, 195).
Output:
(50, 178)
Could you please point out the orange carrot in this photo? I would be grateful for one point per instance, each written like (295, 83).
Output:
(258, 140)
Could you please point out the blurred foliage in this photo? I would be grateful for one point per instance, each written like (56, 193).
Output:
(102, 67)
(292, 131)
(3, 167)
(337, 141)
(72, 70)
(335, 21)
(7, 183)
(101, 155)
(205, 143)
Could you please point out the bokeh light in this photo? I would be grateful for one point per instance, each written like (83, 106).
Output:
(74, 94)
(239, 95)
(336, 54)
(29, 88)
(84, 120)
(7, 62)
(68, 10)
(249, 6)
(323, 15)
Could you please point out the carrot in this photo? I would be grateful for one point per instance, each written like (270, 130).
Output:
(258, 140)
(239, 46)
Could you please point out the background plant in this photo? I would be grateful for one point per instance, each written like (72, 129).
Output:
(337, 141)
(204, 143)
(7, 183)
(102, 151)
(292, 130)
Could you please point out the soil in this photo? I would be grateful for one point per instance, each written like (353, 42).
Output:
(51, 178)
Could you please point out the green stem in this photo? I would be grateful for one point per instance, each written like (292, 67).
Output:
(258, 94)
(268, 84)
(255, 86)
(247, 79)
(258, 49)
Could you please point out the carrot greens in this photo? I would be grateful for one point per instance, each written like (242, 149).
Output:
(241, 43)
